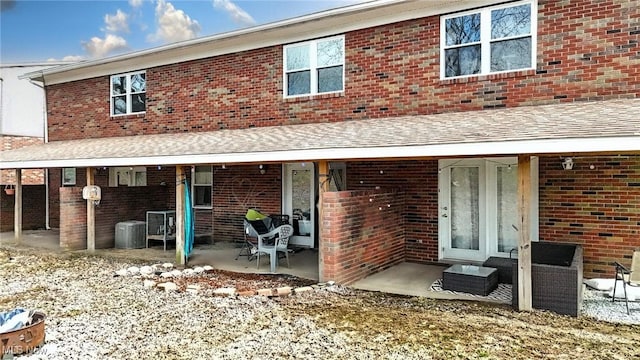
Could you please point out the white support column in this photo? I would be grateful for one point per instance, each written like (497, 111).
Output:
(524, 241)
(17, 210)
(91, 215)
(180, 177)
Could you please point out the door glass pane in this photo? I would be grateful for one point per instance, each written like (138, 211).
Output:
(300, 200)
(507, 215)
(465, 214)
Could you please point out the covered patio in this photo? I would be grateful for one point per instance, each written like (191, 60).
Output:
(406, 278)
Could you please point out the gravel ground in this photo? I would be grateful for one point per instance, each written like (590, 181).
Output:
(94, 314)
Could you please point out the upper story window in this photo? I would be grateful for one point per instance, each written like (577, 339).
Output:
(489, 40)
(128, 93)
(314, 67)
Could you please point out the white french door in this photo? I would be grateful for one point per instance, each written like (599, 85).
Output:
(478, 208)
(462, 209)
(298, 201)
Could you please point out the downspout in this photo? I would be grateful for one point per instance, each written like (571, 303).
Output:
(46, 140)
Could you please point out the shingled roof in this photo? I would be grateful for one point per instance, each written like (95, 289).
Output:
(599, 126)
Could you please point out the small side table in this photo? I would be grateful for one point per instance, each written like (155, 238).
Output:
(472, 279)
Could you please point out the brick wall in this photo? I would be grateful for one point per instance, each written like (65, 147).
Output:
(587, 50)
(597, 208)
(29, 176)
(419, 180)
(73, 219)
(118, 204)
(33, 208)
(238, 188)
(362, 234)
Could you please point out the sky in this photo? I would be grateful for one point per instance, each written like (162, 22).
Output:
(73, 30)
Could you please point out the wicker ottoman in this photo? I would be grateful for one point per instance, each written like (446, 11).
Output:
(504, 266)
(472, 279)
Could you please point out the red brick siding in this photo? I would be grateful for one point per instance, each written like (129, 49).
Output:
(118, 204)
(29, 176)
(597, 208)
(587, 50)
(417, 179)
(238, 188)
(33, 208)
(55, 181)
(73, 219)
(362, 234)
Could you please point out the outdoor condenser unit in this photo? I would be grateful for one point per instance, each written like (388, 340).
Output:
(130, 235)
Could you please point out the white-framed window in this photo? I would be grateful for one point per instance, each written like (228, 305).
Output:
(201, 186)
(128, 176)
(128, 93)
(68, 176)
(488, 40)
(314, 67)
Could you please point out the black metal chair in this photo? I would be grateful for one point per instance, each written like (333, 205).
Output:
(628, 277)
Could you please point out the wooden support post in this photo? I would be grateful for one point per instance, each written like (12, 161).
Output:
(17, 209)
(180, 177)
(323, 186)
(91, 214)
(524, 241)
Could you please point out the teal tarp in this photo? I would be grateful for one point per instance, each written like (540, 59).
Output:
(189, 223)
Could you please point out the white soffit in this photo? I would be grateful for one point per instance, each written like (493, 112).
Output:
(330, 22)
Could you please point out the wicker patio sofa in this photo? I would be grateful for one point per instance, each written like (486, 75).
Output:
(556, 278)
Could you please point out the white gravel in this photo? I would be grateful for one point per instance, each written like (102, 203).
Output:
(94, 314)
(598, 304)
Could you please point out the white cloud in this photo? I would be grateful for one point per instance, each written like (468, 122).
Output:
(135, 3)
(68, 58)
(97, 47)
(237, 14)
(173, 25)
(73, 58)
(119, 22)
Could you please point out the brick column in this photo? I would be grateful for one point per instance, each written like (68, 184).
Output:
(73, 219)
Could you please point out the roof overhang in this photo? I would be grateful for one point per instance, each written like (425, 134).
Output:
(320, 24)
(569, 128)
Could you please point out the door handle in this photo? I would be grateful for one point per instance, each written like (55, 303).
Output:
(444, 215)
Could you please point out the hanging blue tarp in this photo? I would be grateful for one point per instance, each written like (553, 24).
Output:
(189, 223)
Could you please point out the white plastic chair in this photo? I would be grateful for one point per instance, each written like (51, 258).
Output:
(279, 243)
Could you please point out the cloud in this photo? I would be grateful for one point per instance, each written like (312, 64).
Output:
(238, 15)
(173, 25)
(119, 22)
(7, 4)
(98, 48)
(68, 58)
(135, 3)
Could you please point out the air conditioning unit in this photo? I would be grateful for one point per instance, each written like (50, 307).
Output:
(130, 235)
